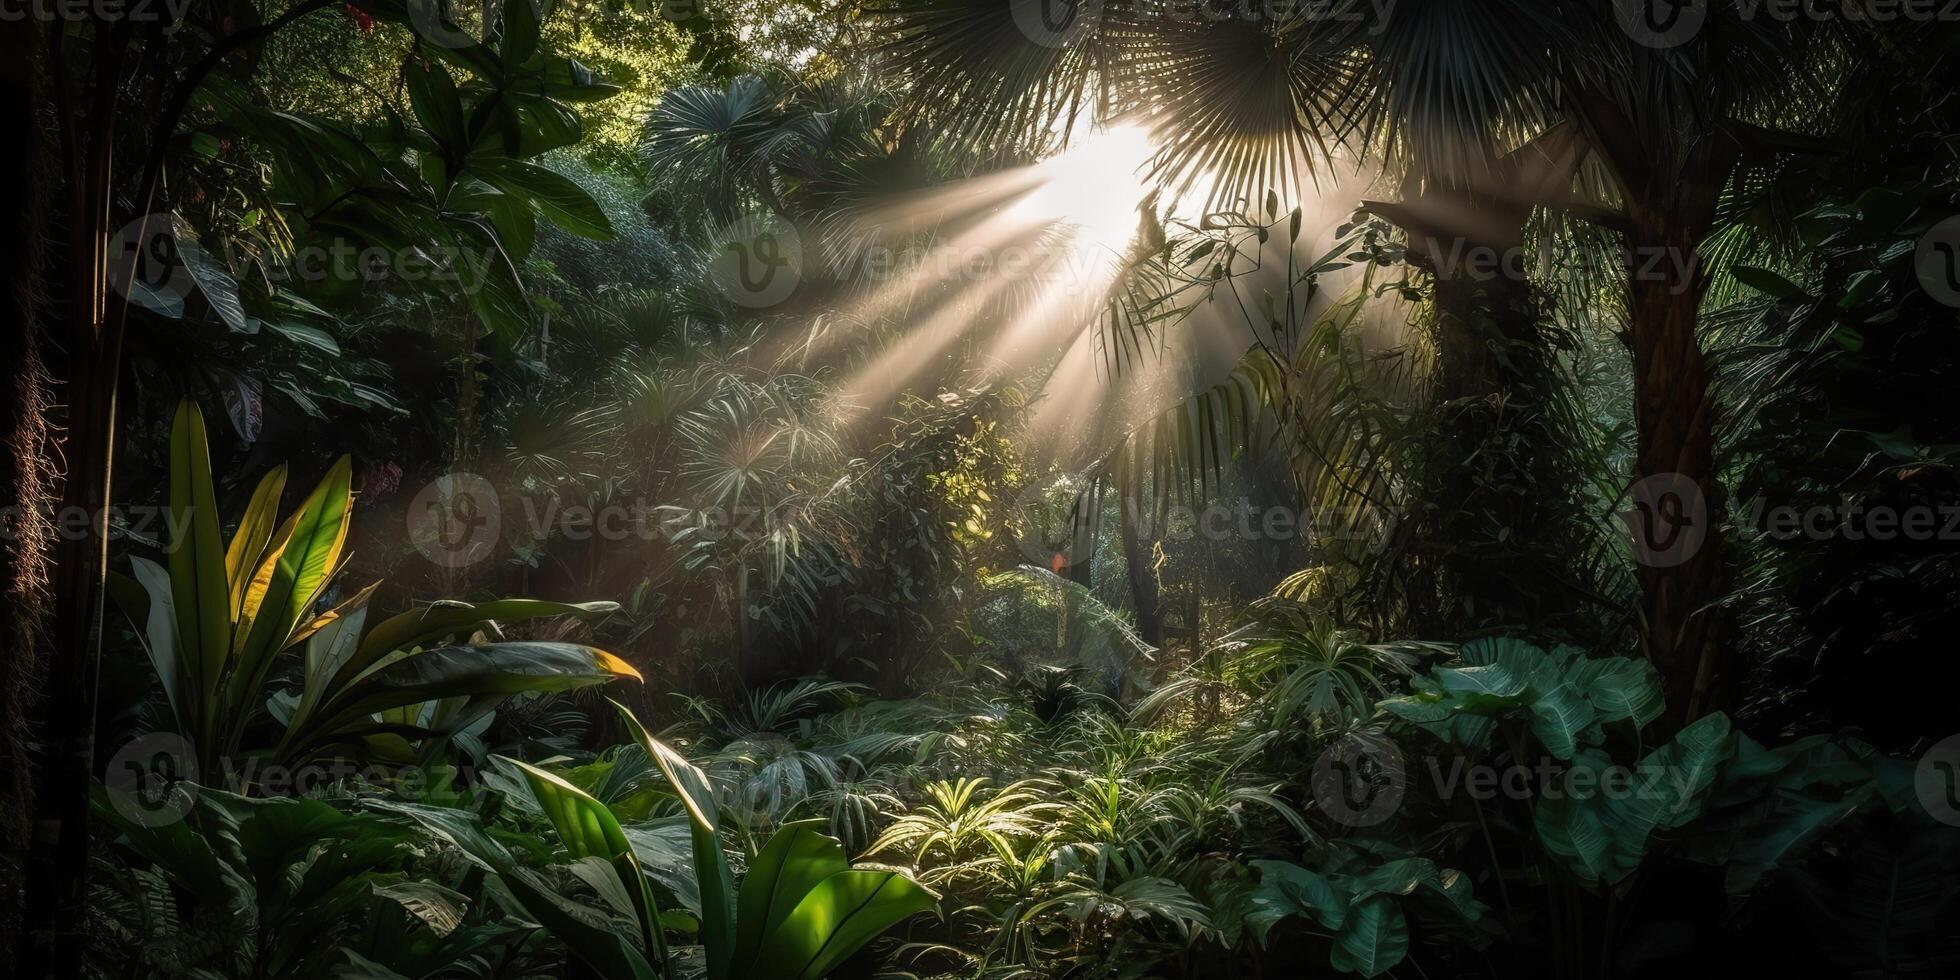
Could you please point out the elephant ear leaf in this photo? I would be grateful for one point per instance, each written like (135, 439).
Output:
(796, 860)
(1374, 938)
(836, 919)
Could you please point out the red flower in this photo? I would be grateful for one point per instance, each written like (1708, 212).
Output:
(361, 17)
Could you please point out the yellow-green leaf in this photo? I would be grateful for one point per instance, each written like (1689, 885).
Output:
(254, 532)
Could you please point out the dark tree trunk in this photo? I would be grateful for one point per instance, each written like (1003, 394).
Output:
(57, 875)
(1136, 552)
(1674, 499)
(26, 484)
(1675, 502)
(1494, 540)
(1491, 550)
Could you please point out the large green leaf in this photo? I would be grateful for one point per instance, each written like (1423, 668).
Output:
(796, 859)
(588, 829)
(1559, 719)
(835, 919)
(1621, 688)
(718, 900)
(302, 556)
(453, 619)
(584, 824)
(1373, 938)
(432, 93)
(1286, 889)
(555, 197)
(1600, 828)
(519, 39)
(197, 565)
(481, 669)
(160, 632)
(248, 543)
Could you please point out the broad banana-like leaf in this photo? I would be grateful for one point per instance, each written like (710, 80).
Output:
(160, 632)
(710, 863)
(197, 564)
(794, 862)
(480, 669)
(588, 829)
(331, 644)
(254, 533)
(433, 622)
(835, 919)
(583, 823)
(304, 555)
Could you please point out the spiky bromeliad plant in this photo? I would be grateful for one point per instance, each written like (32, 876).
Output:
(216, 619)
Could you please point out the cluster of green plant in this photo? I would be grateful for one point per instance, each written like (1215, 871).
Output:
(1110, 766)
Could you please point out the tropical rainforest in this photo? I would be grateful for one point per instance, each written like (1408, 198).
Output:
(974, 489)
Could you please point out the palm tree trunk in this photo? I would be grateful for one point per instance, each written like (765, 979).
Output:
(1674, 505)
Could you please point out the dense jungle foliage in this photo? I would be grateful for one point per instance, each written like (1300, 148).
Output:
(981, 489)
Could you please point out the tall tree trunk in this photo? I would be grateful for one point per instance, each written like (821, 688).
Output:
(1495, 541)
(1674, 499)
(26, 484)
(57, 876)
(1136, 553)
(1493, 550)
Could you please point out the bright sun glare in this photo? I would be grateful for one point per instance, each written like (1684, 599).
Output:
(1095, 186)
(1071, 217)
